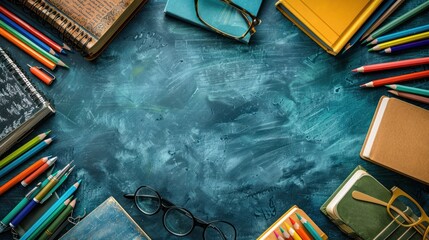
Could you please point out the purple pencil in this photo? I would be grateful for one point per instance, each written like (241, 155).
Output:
(406, 46)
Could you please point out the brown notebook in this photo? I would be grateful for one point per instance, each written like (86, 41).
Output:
(88, 25)
(398, 138)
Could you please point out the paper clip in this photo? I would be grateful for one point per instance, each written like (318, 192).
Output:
(42, 74)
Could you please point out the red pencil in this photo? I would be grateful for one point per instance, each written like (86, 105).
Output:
(299, 230)
(39, 171)
(33, 31)
(396, 79)
(410, 96)
(392, 65)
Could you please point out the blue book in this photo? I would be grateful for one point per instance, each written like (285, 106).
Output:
(107, 221)
(185, 10)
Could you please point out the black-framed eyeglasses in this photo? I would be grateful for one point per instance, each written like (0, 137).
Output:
(179, 221)
(226, 18)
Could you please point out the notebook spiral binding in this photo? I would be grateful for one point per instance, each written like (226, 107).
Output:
(19, 74)
(69, 31)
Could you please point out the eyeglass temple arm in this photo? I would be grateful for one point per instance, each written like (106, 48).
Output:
(129, 195)
(366, 198)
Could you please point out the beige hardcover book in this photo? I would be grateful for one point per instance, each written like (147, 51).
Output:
(87, 24)
(398, 139)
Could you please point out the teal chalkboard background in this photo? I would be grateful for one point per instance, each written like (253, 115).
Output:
(229, 131)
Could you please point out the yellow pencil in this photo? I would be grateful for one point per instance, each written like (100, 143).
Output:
(292, 232)
(399, 41)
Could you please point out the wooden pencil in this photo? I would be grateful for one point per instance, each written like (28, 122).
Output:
(31, 44)
(392, 65)
(382, 18)
(413, 90)
(398, 21)
(39, 57)
(396, 79)
(407, 46)
(400, 34)
(410, 96)
(34, 31)
(400, 41)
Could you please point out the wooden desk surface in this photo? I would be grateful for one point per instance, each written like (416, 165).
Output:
(229, 131)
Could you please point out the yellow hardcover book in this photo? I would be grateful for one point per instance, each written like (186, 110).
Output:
(331, 24)
(280, 223)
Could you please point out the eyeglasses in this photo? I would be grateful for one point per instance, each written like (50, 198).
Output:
(226, 18)
(398, 198)
(179, 221)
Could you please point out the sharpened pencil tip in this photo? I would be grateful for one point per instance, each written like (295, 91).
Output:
(393, 92)
(363, 85)
(371, 50)
(354, 70)
(66, 47)
(47, 132)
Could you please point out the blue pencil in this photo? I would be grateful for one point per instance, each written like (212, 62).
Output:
(400, 34)
(374, 17)
(45, 216)
(25, 156)
(27, 34)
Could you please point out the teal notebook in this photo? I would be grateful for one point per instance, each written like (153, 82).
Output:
(185, 10)
(362, 220)
(107, 221)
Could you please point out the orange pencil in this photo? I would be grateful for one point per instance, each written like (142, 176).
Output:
(39, 57)
(18, 178)
(299, 230)
(396, 79)
(39, 171)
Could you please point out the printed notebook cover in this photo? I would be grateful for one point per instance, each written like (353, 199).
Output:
(185, 10)
(107, 221)
(331, 24)
(269, 233)
(22, 106)
(399, 131)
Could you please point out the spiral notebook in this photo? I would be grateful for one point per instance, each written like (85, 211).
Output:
(22, 106)
(89, 26)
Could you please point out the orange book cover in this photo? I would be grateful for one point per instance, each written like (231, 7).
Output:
(331, 24)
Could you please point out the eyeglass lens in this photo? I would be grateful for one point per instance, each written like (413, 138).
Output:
(226, 18)
(402, 202)
(147, 200)
(219, 231)
(178, 221)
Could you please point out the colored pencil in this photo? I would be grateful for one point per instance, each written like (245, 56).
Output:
(50, 219)
(21, 150)
(398, 21)
(392, 65)
(292, 232)
(402, 88)
(286, 235)
(22, 175)
(38, 172)
(62, 180)
(407, 46)
(400, 41)
(27, 34)
(301, 232)
(309, 228)
(31, 44)
(58, 221)
(389, 12)
(396, 79)
(39, 57)
(34, 31)
(37, 199)
(278, 236)
(368, 23)
(410, 96)
(25, 156)
(400, 34)
(66, 195)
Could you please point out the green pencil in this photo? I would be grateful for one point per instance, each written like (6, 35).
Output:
(50, 219)
(58, 221)
(24, 148)
(32, 44)
(414, 90)
(398, 21)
